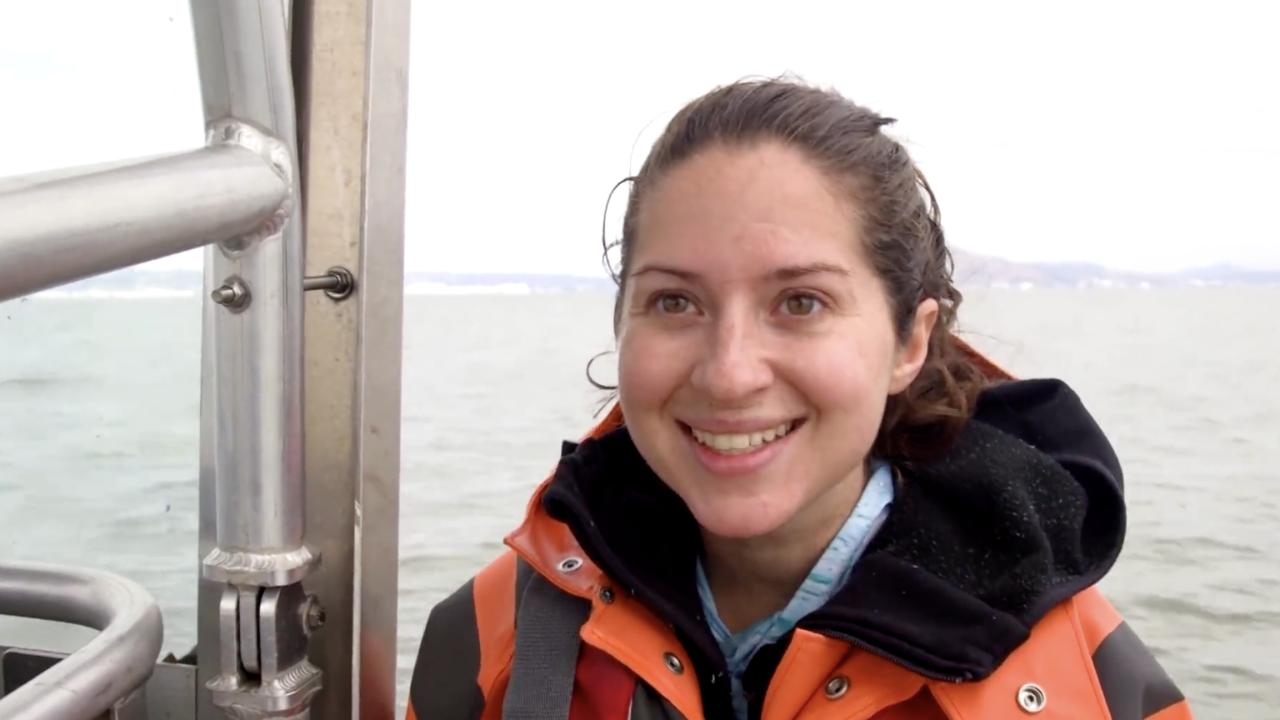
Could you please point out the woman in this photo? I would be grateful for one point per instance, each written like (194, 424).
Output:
(821, 504)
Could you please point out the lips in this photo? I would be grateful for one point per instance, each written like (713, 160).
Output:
(737, 443)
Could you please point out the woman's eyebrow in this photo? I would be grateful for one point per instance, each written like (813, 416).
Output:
(790, 272)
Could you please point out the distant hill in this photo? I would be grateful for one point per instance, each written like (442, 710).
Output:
(972, 270)
(987, 271)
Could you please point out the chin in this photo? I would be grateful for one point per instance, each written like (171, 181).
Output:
(735, 519)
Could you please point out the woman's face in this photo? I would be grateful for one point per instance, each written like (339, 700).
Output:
(757, 345)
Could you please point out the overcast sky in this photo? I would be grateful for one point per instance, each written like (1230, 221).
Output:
(1138, 135)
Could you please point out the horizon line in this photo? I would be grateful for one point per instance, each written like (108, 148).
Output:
(1232, 266)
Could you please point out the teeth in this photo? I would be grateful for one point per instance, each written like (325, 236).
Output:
(737, 443)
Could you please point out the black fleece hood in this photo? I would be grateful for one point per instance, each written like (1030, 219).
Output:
(1023, 512)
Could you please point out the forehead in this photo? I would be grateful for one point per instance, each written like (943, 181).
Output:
(746, 211)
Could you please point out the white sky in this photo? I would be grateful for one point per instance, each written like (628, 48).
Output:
(1138, 135)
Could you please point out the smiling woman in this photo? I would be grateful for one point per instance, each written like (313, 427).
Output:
(778, 320)
(810, 500)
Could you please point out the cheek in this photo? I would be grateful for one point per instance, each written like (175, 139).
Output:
(646, 374)
(849, 375)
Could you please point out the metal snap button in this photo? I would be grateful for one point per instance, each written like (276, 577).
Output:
(673, 663)
(836, 687)
(1031, 698)
(570, 564)
(606, 595)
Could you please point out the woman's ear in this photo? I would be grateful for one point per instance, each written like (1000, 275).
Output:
(912, 353)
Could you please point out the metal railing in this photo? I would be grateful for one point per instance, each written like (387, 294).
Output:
(239, 196)
(110, 668)
(65, 226)
(345, 62)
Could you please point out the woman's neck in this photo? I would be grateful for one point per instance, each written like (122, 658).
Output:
(753, 578)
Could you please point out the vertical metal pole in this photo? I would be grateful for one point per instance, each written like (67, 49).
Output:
(350, 64)
(379, 387)
(352, 78)
(257, 340)
(254, 352)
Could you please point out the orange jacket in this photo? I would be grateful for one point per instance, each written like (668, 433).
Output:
(1017, 628)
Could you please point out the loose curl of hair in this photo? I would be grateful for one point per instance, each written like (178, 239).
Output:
(897, 216)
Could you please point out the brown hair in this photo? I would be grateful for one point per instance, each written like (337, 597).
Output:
(899, 218)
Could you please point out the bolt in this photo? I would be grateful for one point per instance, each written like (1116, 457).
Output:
(233, 294)
(315, 614)
(337, 283)
(224, 295)
(345, 285)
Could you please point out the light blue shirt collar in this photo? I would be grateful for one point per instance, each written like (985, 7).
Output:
(828, 575)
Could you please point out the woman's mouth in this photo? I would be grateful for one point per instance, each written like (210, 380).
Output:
(741, 443)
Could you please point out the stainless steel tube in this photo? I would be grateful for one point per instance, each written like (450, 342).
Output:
(56, 231)
(242, 50)
(112, 665)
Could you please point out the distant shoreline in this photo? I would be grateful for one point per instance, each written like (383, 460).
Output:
(148, 291)
(971, 271)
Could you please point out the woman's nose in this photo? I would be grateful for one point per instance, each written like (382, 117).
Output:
(733, 363)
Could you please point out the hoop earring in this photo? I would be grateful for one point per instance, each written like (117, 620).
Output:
(605, 244)
(594, 383)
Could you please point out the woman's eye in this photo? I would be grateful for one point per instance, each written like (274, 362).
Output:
(801, 305)
(673, 304)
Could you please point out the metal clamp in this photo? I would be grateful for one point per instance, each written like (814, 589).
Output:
(264, 670)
